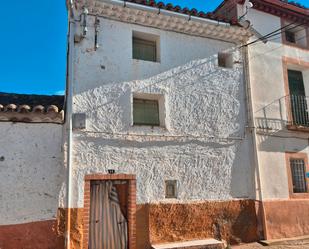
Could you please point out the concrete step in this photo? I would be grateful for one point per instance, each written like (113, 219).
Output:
(193, 244)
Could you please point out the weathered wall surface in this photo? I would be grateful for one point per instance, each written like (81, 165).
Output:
(31, 172)
(233, 221)
(291, 221)
(203, 144)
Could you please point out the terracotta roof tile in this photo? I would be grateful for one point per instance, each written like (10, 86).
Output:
(31, 108)
(183, 10)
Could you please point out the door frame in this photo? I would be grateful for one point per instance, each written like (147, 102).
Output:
(131, 205)
(301, 65)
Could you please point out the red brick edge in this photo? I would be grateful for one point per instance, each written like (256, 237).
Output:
(131, 205)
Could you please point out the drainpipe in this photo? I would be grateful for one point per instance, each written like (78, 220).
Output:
(69, 103)
(251, 126)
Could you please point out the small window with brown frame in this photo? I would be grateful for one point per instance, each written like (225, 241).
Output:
(295, 35)
(298, 174)
(298, 169)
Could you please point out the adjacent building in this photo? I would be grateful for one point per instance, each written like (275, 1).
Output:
(32, 174)
(278, 67)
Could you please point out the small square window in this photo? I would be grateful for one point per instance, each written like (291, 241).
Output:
(144, 50)
(171, 189)
(290, 36)
(146, 112)
(295, 35)
(145, 46)
(298, 175)
(225, 60)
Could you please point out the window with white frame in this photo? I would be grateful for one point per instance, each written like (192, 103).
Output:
(145, 46)
(148, 109)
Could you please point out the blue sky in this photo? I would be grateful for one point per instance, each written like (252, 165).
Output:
(33, 43)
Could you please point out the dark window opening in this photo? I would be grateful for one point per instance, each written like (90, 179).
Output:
(298, 99)
(225, 60)
(290, 36)
(298, 175)
(146, 112)
(171, 189)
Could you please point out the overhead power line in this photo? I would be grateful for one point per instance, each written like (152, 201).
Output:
(272, 34)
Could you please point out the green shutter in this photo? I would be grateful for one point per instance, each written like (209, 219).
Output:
(298, 100)
(146, 112)
(296, 83)
(144, 50)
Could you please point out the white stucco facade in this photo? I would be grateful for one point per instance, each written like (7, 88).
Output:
(32, 175)
(203, 145)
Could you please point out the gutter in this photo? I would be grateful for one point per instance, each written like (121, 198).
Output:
(162, 11)
(251, 126)
(68, 117)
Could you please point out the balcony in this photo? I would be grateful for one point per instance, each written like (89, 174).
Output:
(298, 118)
(288, 112)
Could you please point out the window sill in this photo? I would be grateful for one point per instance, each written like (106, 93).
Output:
(297, 128)
(299, 195)
(148, 129)
(151, 62)
(295, 45)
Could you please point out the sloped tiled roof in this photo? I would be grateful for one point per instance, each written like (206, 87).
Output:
(183, 10)
(31, 108)
(283, 8)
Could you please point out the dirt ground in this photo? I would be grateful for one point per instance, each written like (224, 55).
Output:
(304, 244)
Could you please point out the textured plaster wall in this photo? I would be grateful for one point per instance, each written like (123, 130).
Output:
(269, 103)
(202, 145)
(31, 172)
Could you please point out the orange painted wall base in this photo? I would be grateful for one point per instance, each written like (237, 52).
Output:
(233, 221)
(286, 218)
(34, 235)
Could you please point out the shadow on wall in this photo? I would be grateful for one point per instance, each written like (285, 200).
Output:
(187, 90)
(271, 124)
(243, 171)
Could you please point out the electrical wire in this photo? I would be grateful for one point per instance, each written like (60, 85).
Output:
(269, 35)
(272, 34)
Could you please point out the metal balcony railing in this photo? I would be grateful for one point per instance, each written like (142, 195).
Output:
(298, 113)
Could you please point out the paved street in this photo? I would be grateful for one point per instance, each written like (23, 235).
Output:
(287, 245)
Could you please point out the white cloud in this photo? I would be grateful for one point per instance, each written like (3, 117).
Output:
(60, 92)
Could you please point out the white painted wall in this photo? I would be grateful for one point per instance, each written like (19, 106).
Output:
(266, 76)
(31, 172)
(204, 106)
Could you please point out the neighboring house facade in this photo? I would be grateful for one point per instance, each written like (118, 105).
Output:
(279, 79)
(159, 109)
(32, 176)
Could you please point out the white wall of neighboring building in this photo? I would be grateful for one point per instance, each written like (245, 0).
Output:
(203, 145)
(31, 172)
(269, 103)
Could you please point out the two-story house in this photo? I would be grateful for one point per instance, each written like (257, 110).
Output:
(278, 67)
(158, 150)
